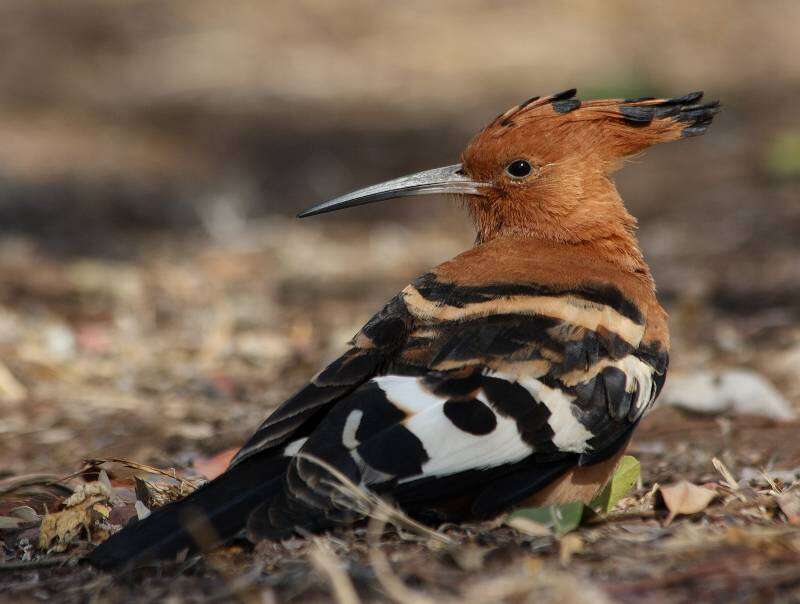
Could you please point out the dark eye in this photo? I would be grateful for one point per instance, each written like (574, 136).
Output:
(519, 168)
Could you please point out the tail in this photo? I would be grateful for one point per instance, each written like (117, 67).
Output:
(213, 514)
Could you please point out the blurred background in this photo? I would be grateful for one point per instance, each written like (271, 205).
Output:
(156, 295)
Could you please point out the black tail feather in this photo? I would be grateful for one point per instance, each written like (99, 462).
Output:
(224, 504)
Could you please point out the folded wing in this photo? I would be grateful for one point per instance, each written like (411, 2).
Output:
(493, 393)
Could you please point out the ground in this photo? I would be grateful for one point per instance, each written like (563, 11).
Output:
(175, 354)
(156, 300)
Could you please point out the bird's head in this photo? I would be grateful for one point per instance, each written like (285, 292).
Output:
(543, 167)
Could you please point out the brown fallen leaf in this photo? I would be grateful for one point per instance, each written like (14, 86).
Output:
(26, 513)
(156, 493)
(84, 510)
(128, 463)
(86, 491)
(789, 503)
(60, 529)
(213, 466)
(19, 518)
(685, 498)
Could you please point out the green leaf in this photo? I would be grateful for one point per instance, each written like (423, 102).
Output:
(564, 518)
(623, 480)
(561, 519)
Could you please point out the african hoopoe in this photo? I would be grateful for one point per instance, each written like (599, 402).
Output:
(515, 372)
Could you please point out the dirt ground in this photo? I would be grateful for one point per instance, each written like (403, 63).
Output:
(157, 300)
(178, 352)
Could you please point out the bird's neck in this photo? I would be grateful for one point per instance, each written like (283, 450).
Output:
(598, 226)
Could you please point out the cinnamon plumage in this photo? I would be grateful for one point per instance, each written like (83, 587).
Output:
(514, 373)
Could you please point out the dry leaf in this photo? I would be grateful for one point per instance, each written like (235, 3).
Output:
(25, 513)
(685, 498)
(25, 496)
(789, 503)
(83, 511)
(213, 466)
(156, 493)
(86, 491)
(62, 528)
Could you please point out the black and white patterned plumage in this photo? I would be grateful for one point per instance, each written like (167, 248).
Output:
(462, 386)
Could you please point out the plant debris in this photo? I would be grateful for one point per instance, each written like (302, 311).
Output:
(685, 498)
(157, 367)
(789, 503)
(83, 514)
(626, 475)
(560, 518)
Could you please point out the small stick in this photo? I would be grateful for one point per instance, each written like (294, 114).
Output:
(326, 561)
(391, 583)
(33, 564)
(375, 506)
(729, 479)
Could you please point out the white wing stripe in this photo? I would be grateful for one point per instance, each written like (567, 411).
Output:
(407, 393)
(449, 448)
(351, 425)
(569, 434)
(452, 450)
(638, 374)
(293, 447)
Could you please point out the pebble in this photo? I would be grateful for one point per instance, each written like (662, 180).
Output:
(739, 391)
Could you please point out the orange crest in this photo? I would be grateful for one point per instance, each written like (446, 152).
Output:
(547, 162)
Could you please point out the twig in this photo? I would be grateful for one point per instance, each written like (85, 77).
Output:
(391, 583)
(34, 564)
(730, 481)
(372, 505)
(775, 488)
(133, 465)
(380, 512)
(323, 558)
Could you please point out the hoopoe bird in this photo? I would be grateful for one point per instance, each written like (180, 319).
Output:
(513, 374)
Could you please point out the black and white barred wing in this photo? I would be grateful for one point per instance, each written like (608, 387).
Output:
(492, 403)
(578, 350)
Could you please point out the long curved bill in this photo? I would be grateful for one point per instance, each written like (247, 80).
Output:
(449, 179)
